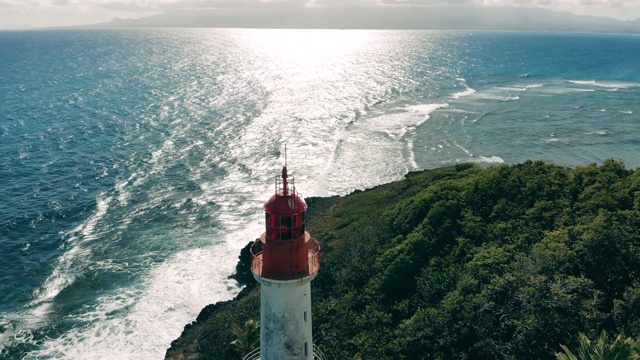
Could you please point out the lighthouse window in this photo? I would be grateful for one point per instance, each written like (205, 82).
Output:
(306, 349)
(286, 223)
(305, 316)
(284, 227)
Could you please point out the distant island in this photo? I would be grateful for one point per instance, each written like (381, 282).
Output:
(463, 262)
(452, 17)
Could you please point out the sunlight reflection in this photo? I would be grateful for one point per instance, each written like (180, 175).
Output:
(304, 55)
(302, 44)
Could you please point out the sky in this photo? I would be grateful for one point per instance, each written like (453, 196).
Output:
(20, 14)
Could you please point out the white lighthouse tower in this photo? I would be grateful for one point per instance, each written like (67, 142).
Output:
(285, 260)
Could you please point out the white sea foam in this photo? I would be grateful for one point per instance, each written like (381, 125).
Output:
(18, 327)
(123, 194)
(480, 116)
(378, 149)
(488, 160)
(513, 88)
(167, 147)
(463, 149)
(88, 229)
(606, 84)
(559, 90)
(412, 156)
(36, 313)
(619, 84)
(596, 132)
(583, 82)
(63, 274)
(139, 322)
(497, 95)
(397, 125)
(426, 109)
(466, 92)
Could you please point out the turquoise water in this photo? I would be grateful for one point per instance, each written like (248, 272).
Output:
(134, 164)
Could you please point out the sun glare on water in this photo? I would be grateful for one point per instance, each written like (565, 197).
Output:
(307, 55)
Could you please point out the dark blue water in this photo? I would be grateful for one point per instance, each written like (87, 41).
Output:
(134, 163)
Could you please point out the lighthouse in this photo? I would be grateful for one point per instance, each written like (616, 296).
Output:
(285, 261)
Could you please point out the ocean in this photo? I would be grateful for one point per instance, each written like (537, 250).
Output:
(134, 163)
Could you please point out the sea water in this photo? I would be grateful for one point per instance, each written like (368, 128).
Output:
(134, 163)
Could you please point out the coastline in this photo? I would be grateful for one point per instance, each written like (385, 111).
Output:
(186, 345)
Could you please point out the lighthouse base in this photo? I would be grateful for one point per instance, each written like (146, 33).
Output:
(285, 319)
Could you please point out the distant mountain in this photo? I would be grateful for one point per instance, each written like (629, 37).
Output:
(468, 17)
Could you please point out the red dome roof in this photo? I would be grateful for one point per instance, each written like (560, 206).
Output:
(285, 201)
(285, 205)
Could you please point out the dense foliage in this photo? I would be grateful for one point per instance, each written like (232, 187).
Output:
(620, 348)
(465, 262)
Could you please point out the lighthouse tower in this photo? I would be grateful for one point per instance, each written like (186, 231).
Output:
(285, 260)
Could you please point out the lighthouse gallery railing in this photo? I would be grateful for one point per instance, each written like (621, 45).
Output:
(255, 354)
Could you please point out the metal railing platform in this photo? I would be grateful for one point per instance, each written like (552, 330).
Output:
(255, 354)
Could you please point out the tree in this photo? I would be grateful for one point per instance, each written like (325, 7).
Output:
(247, 336)
(622, 348)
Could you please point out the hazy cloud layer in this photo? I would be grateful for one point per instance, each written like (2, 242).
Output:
(36, 13)
(153, 5)
(122, 6)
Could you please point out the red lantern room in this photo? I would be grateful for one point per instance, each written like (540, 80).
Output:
(285, 251)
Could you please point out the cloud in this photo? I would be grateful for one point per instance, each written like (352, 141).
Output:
(211, 4)
(532, 3)
(342, 3)
(429, 2)
(17, 3)
(561, 3)
(128, 6)
(360, 3)
(37, 13)
(151, 5)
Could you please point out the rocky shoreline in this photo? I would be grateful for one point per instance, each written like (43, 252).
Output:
(187, 346)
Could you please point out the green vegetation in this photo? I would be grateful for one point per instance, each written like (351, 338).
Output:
(464, 262)
(620, 349)
(247, 336)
